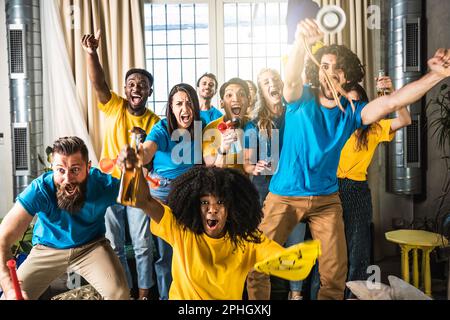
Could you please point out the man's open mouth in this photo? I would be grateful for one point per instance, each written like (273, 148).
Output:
(70, 189)
(136, 99)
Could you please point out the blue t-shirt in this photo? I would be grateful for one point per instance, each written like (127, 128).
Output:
(60, 229)
(312, 142)
(173, 158)
(210, 115)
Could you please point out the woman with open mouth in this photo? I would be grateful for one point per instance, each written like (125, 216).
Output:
(173, 149)
(211, 221)
(263, 136)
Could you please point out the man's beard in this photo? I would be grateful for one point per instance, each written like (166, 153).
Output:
(324, 90)
(73, 201)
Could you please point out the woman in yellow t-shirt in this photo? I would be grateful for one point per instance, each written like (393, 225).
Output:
(211, 222)
(353, 187)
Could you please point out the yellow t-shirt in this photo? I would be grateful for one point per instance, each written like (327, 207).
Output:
(118, 122)
(353, 164)
(212, 138)
(204, 268)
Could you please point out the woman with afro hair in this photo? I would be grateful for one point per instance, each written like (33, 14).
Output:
(211, 222)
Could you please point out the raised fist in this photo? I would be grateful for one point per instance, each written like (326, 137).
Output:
(90, 42)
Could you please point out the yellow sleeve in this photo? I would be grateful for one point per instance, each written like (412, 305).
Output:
(167, 228)
(111, 106)
(154, 119)
(385, 134)
(267, 248)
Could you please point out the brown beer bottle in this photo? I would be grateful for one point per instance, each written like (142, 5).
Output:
(382, 91)
(129, 180)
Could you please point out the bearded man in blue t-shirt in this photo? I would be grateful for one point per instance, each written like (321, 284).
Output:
(304, 186)
(69, 234)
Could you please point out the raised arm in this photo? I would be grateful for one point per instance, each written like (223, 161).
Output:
(379, 108)
(150, 148)
(90, 43)
(293, 83)
(12, 228)
(249, 167)
(153, 208)
(403, 118)
(217, 156)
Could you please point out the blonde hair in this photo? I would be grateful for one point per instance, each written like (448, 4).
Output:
(262, 112)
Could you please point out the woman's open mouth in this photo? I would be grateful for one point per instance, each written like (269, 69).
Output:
(275, 94)
(236, 111)
(212, 223)
(186, 118)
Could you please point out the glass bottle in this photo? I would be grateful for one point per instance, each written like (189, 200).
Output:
(380, 90)
(129, 180)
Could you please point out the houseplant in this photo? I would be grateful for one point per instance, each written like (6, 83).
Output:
(440, 127)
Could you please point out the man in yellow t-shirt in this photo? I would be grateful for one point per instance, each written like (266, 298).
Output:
(223, 147)
(123, 115)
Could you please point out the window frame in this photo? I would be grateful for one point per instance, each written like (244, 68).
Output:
(216, 28)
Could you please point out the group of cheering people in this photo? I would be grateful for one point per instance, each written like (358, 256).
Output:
(226, 199)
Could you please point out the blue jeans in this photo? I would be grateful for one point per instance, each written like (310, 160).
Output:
(163, 265)
(261, 184)
(297, 235)
(139, 227)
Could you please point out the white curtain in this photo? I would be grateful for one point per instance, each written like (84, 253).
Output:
(63, 112)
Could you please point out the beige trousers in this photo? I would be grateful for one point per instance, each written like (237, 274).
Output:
(94, 261)
(324, 216)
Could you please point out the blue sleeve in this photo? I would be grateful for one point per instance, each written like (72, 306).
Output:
(359, 105)
(159, 135)
(250, 136)
(307, 94)
(34, 199)
(217, 114)
(110, 184)
(204, 124)
(113, 187)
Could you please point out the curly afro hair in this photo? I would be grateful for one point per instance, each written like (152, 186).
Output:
(236, 190)
(346, 60)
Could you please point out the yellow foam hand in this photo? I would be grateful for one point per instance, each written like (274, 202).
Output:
(294, 263)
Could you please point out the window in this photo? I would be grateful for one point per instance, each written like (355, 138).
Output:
(177, 46)
(254, 37)
(185, 39)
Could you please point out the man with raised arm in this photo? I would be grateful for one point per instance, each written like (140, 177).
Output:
(305, 185)
(123, 115)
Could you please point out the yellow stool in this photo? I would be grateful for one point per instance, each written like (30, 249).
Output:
(414, 240)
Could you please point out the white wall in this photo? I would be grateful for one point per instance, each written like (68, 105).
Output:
(6, 182)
